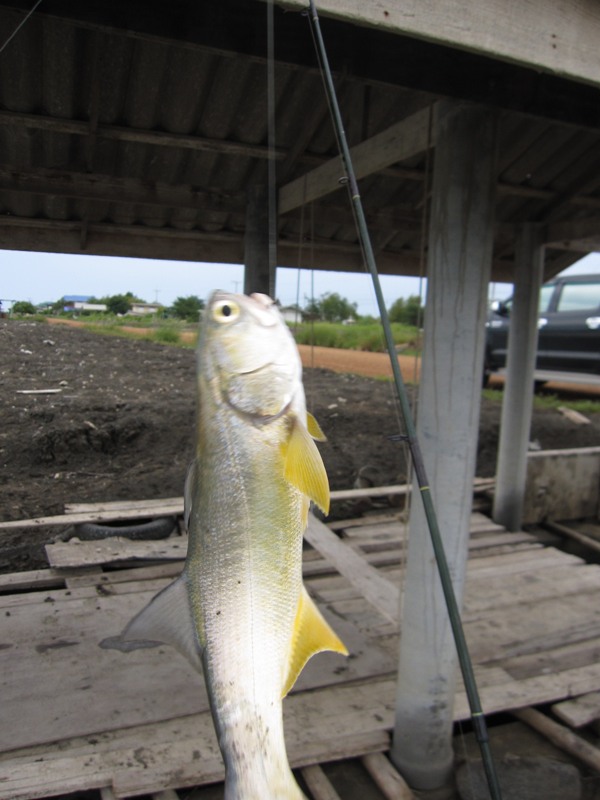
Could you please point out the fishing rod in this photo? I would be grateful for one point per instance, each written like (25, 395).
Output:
(477, 716)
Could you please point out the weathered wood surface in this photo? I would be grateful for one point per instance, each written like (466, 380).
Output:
(530, 614)
(113, 511)
(559, 37)
(579, 711)
(54, 638)
(562, 484)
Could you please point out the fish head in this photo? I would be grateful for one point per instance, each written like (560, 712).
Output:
(248, 357)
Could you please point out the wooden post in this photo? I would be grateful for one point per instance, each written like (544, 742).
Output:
(259, 274)
(511, 470)
(459, 264)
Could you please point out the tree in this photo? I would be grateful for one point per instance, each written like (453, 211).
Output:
(331, 307)
(23, 307)
(188, 308)
(407, 311)
(119, 303)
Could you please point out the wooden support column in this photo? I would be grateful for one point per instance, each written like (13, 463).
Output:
(459, 265)
(259, 274)
(511, 470)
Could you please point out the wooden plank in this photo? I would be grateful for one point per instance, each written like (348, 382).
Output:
(529, 560)
(188, 755)
(533, 628)
(559, 38)
(170, 569)
(533, 691)
(113, 189)
(140, 135)
(319, 784)
(579, 711)
(555, 654)
(577, 536)
(495, 591)
(306, 752)
(403, 140)
(54, 638)
(561, 737)
(154, 503)
(151, 504)
(570, 413)
(116, 548)
(319, 726)
(562, 484)
(32, 579)
(388, 779)
(164, 510)
(383, 594)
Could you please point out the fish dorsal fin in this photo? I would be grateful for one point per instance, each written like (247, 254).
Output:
(167, 619)
(314, 428)
(304, 466)
(312, 634)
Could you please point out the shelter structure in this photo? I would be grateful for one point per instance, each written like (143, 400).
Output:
(140, 129)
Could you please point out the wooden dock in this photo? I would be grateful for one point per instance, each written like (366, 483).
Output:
(77, 717)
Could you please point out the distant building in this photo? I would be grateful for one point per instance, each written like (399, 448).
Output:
(140, 309)
(291, 314)
(78, 302)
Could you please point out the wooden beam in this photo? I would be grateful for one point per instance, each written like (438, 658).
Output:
(172, 244)
(559, 37)
(143, 241)
(137, 135)
(582, 235)
(405, 139)
(133, 241)
(108, 188)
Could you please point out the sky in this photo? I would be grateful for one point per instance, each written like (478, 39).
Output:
(41, 277)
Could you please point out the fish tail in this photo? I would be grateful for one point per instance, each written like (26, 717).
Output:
(245, 787)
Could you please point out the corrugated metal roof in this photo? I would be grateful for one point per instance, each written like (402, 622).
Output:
(132, 136)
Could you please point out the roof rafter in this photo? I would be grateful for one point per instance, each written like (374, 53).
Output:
(405, 139)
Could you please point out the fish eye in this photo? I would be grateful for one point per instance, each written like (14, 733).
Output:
(225, 311)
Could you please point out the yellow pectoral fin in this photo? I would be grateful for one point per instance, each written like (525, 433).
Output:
(304, 467)
(314, 428)
(311, 635)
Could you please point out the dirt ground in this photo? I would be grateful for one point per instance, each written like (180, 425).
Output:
(119, 424)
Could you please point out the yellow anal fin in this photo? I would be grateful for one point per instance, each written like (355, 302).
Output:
(314, 428)
(304, 466)
(312, 634)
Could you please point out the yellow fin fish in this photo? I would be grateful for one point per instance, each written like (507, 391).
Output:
(239, 611)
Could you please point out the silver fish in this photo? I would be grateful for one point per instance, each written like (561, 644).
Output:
(239, 611)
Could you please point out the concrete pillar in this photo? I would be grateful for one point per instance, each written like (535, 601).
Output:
(459, 261)
(259, 257)
(511, 470)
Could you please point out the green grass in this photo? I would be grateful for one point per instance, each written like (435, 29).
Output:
(360, 336)
(543, 401)
(162, 331)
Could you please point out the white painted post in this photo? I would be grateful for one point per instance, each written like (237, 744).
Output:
(511, 470)
(459, 263)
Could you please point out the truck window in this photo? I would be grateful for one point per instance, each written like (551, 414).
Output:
(579, 297)
(546, 293)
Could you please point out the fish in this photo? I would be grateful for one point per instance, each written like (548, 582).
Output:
(239, 611)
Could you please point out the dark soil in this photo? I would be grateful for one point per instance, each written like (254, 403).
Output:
(122, 426)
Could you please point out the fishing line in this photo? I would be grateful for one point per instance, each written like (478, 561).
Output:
(300, 250)
(477, 717)
(19, 26)
(271, 161)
